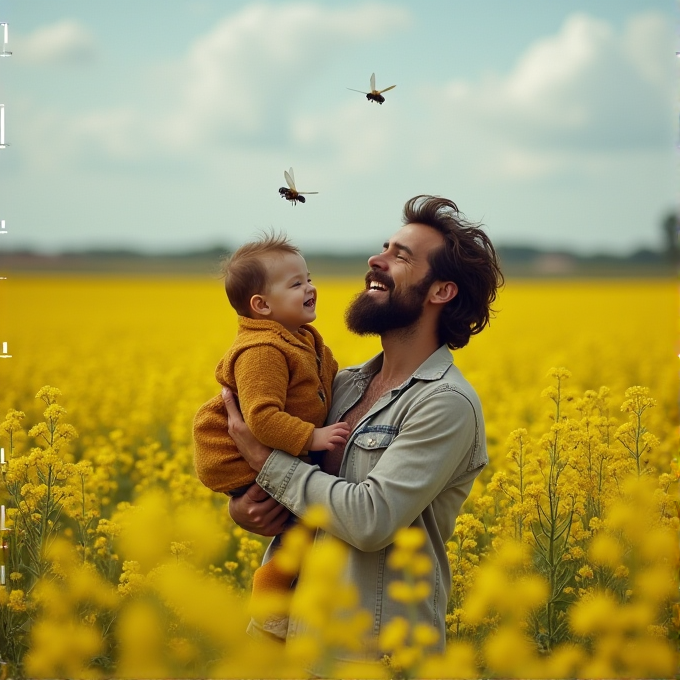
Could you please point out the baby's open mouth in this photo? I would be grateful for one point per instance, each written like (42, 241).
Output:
(310, 302)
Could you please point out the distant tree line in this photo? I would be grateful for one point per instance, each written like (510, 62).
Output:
(511, 255)
(671, 232)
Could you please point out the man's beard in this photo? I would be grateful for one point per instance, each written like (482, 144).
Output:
(401, 310)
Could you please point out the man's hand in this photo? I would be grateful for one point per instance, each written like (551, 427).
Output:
(252, 450)
(258, 512)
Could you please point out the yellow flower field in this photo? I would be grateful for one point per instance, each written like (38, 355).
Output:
(566, 553)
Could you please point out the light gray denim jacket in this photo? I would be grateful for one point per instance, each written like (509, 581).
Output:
(410, 462)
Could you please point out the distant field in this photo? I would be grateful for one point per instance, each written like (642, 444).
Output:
(114, 345)
(134, 358)
(515, 265)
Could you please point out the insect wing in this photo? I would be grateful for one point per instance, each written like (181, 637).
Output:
(353, 90)
(308, 192)
(290, 179)
(372, 82)
(391, 87)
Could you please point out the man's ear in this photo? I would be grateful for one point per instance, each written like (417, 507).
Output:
(442, 292)
(259, 305)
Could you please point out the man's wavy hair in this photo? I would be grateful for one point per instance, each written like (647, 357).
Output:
(467, 258)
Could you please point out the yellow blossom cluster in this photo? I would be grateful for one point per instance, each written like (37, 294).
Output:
(407, 641)
(120, 562)
(560, 499)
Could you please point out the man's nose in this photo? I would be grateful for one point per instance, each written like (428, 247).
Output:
(377, 262)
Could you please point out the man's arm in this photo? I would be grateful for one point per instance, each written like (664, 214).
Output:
(434, 449)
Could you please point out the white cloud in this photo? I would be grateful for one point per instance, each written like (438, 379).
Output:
(582, 118)
(358, 136)
(236, 79)
(648, 42)
(114, 133)
(587, 87)
(65, 42)
(575, 104)
(237, 87)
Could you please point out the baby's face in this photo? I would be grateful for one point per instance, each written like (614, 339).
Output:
(291, 297)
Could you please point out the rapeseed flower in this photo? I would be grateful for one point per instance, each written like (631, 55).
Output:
(562, 474)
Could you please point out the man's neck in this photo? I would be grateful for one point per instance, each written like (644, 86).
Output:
(404, 352)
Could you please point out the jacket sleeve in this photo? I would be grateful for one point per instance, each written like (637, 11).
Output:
(437, 447)
(329, 371)
(262, 378)
(333, 364)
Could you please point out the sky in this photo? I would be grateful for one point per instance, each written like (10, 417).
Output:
(166, 125)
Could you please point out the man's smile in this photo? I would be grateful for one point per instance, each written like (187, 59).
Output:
(378, 282)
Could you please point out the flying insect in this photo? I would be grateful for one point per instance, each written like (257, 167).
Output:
(290, 193)
(374, 95)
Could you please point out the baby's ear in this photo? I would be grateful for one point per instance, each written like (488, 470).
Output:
(259, 305)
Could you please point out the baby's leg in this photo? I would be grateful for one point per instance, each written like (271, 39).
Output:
(270, 579)
(271, 587)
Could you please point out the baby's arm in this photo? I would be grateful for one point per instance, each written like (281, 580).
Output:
(328, 438)
(262, 378)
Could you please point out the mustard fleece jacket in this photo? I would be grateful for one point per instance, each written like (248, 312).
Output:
(283, 382)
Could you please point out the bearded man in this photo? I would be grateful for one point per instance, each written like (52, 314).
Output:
(417, 432)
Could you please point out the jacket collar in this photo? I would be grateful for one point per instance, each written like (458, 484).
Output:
(433, 368)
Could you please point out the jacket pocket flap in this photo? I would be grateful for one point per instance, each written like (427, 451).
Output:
(374, 440)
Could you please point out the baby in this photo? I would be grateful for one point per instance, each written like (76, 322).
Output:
(281, 372)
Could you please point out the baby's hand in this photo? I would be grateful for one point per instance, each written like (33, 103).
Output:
(330, 438)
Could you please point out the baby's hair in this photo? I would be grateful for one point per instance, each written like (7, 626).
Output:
(244, 272)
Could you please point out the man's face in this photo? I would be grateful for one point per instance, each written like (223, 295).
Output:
(397, 284)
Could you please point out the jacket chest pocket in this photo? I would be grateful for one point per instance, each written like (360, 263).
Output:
(368, 447)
